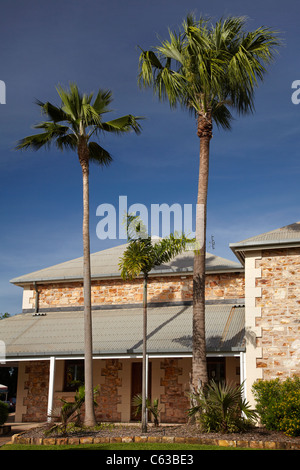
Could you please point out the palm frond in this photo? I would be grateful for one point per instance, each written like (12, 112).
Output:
(35, 142)
(167, 248)
(222, 114)
(54, 113)
(78, 118)
(67, 141)
(148, 64)
(99, 155)
(123, 124)
(135, 260)
(70, 101)
(204, 64)
(52, 128)
(135, 228)
(168, 83)
(102, 101)
(142, 255)
(89, 115)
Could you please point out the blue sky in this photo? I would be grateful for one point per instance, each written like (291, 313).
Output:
(254, 169)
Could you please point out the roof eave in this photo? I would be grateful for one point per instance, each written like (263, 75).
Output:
(240, 248)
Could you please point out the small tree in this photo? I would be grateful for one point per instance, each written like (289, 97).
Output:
(278, 404)
(220, 407)
(137, 401)
(4, 315)
(139, 258)
(75, 125)
(208, 69)
(71, 411)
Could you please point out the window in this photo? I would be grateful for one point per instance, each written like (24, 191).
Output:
(74, 375)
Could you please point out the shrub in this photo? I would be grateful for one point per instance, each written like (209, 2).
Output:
(4, 410)
(278, 404)
(220, 407)
(70, 412)
(151, 407)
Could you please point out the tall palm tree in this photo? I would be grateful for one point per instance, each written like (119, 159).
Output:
(139, 258)
(207, 69)
(71, 126)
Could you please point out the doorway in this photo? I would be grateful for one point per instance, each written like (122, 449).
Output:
(136, 386)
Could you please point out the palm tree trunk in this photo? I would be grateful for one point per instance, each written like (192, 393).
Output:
(144, 371)
(90, 419)
(199, 364)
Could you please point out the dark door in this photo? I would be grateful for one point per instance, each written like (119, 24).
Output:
(216, 369)
(136, 386)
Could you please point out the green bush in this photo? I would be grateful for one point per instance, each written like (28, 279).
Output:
(151, 407)
(278, 404)
(70, 412)
(220, 407)
(4, 410)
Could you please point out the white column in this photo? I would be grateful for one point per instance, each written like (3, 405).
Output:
(147, 383)
(243, 373)
(51, 388)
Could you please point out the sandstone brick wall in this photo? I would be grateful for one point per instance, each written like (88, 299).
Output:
(175, 395)
(160, 289)
(109, 392)
(280, 313)
(36, 385)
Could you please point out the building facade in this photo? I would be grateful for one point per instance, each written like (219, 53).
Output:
(252, 328)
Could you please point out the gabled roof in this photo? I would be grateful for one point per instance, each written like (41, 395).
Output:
(287, 236)
(105, 264)
(119, 332)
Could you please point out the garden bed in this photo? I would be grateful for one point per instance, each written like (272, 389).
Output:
(256, 438)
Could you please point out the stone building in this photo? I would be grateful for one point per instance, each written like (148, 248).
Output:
(252, 327)
(272, 303)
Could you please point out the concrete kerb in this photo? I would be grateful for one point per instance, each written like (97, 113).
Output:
(22, 428)
(238, 443)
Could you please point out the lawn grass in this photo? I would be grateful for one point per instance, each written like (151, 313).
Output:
(122, 446)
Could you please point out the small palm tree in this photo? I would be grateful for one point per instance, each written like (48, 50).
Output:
(71, 411)
(72, 126)
(139, 258)
(137, 402)
(208, 70)
(220, 407)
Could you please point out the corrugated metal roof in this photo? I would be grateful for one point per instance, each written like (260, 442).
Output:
(284, 236)
(286, 233)
(119, 331)
(106, 264)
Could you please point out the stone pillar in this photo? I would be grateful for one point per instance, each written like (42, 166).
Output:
(110, 397)
(174, 398)
(252, 312)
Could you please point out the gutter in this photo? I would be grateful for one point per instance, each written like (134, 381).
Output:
(239, 249)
